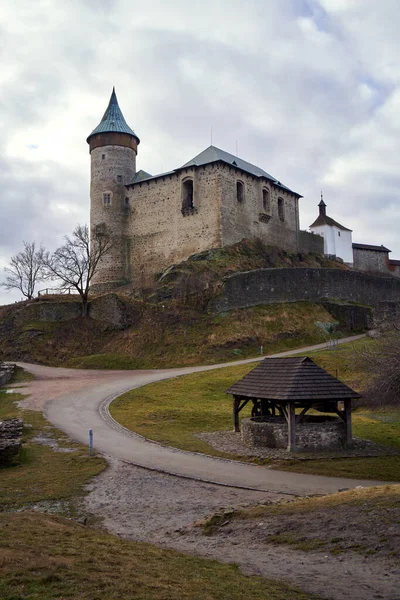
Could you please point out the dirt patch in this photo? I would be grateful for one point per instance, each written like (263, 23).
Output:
(147, 506)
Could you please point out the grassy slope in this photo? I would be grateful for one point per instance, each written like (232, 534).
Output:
(370, 514)
(46, 557)
(41, 474)
(170, 326)
(172, 411)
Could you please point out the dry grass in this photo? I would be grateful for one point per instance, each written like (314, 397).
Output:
(45, 557)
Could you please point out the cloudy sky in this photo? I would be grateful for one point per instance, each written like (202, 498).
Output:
(309, 90)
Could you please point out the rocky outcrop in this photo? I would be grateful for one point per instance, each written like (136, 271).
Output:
(6, 372)
(10, 439)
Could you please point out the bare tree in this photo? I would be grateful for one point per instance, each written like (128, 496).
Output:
(381, 360)
(75, 263)
(25, 270)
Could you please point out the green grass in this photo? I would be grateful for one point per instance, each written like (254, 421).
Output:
(47, 558)
(39, 473)
(173, 411)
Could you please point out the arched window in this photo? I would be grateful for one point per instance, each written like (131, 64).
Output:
(281, 209)
(239, 191)
(187, 197)
(266, 200)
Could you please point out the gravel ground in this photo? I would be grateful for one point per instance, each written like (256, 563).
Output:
(231, 441)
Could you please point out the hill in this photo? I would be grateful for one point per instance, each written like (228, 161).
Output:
(168, 324)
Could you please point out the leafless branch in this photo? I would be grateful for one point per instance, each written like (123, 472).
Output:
(26, 270)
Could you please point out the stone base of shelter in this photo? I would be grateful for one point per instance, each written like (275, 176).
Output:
(314, 432)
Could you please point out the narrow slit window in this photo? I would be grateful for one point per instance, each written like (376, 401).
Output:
(187, 197)
(266, 201)
(107, 199)
(239, 192)
(281, 209)
(119, 178)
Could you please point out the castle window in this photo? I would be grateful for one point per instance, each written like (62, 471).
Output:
(266, 200)
(187, 197)
(239, 191)
(281, 209)
(126, 201)
(119, 178)
(338, 233)
(103, 156)
(107, 199)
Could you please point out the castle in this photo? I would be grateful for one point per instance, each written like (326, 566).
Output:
(213, 200)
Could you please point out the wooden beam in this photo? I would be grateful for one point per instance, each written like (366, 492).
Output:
(291, 421)
(235, 414)
(301, 415)
(348, 434)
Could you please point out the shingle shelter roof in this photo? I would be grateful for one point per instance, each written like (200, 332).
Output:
(291, 379)
(325, 220)
(113, 120)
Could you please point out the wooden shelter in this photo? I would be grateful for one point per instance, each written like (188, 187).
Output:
(291, 387)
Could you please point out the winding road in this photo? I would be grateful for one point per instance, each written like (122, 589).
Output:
(85, 406)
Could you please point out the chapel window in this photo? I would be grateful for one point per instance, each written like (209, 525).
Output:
(107, 199)
(187, 197)
(240, 191)
(281, 209)
(266, 200)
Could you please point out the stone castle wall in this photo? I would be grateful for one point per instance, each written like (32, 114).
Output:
(370, 261)
(269, 286)
(160, 235)
(250, 219)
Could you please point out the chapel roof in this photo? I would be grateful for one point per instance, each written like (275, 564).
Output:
(113, 120)
(371, 247)
(325, 220)
(295, 379)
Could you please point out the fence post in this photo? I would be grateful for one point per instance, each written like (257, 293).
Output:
(90, 442)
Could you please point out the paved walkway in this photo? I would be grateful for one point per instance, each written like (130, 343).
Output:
(87, 408)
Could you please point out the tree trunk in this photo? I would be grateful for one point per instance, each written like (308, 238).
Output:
(85, 308)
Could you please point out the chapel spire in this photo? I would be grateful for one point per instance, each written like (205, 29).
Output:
(322, 207)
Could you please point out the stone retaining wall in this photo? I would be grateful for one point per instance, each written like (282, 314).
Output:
(270, 286)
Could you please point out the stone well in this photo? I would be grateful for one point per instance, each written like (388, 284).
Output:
(314, 432)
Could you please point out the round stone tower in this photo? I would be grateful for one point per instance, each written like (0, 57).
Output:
(113, 149)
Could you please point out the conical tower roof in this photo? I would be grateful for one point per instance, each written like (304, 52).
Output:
(113, 120)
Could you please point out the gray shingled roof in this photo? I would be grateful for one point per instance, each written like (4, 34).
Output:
(141, 176)
(371, 247)
(324, 220)
(113, 120)
(295, 379)
(214, 154)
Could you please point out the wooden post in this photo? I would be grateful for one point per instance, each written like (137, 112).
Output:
(348, 435)
(235, 415)
(291, 421)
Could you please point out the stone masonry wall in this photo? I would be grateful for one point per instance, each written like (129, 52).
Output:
(112, 167)
(249, 219)
(268, 286)
(160, 234)
(310, 242)
(370, 261)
